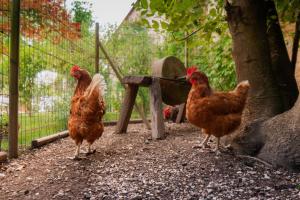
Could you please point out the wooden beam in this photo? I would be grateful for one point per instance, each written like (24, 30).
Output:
(120, 79)
(51, 138)
(144, 81)
(127, 107)
(48, 139)
(186, 50)
(133, 121)
(13, 80)
(181, 113)
(97, 51)
(157, 120)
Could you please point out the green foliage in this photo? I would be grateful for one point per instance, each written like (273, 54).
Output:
(132, 50)
(83, 14)
(216, 61)
(288, 9)
(183, 15)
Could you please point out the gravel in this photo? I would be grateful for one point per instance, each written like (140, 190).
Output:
(133, 166)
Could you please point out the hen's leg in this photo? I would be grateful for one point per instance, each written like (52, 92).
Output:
(217, 149)
(77, 151)
(90, 151)
(204, 142)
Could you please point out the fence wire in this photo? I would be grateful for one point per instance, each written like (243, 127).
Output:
(50, 43)
(46, 56)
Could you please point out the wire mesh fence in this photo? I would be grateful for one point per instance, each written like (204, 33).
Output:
(4, 72)
(50, 43)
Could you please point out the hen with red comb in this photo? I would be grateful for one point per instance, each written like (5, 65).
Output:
(191, 70)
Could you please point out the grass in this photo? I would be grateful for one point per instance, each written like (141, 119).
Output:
(39, 125)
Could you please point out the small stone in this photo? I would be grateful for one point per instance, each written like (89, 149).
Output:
(184, 164)
(2, 175)
(87, 195)
(210, 191)
(138, 197)
(266, 176)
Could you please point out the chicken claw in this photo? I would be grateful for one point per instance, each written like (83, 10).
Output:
(90, 151)
(204, 142)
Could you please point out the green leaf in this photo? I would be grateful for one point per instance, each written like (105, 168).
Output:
(155, 24)
(144, 4)
(164, 25)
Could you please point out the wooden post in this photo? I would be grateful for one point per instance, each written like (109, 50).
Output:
(13, 79)
(127, 107)
(120, 79)
(186, 52)
(157, 120)
(97, 48)
(181, 113)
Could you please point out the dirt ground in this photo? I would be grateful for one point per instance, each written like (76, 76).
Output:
(132, 166)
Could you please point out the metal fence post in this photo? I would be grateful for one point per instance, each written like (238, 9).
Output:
(97, 51)
(13, 79)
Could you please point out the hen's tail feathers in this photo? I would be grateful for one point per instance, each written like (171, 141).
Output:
(97, 83)
(243, 87)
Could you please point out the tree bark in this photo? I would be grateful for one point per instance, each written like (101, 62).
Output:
(260, 56)
(281, 65)
(251, 53)
(296, 41)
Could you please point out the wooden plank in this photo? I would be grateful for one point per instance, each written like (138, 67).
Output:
(157, 120)
(48, 139)
(14, 77)
(127, 107)
(3, 156)
(181, 113)
(144, 81)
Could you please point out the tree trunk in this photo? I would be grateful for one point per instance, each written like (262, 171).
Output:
(251, 53)
(274, 139)
(281, 65)
(281, 139)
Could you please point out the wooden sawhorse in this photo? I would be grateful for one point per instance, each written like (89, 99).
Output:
(157, 121)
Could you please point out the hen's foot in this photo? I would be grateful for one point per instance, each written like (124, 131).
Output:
(75, 158)
(217, 151)
(90, 152)
(201, 146)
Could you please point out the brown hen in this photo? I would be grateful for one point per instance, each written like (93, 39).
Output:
(87, 110)
(217, 113)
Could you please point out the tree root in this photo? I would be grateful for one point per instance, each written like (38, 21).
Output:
(256, 159)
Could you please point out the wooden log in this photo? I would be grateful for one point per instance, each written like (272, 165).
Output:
(144, 81)
(157, 120)
(3, 156)
(181, 113)
(48, 139)
(127, 107)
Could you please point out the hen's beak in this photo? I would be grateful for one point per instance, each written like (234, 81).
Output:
(187, 77)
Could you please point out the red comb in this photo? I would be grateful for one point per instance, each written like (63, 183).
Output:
(167, 112)
(191, 70)
(75, 68)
